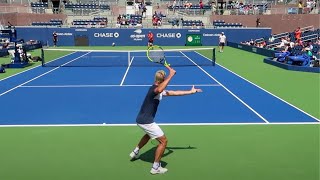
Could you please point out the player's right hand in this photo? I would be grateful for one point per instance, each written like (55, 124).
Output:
(172, 72)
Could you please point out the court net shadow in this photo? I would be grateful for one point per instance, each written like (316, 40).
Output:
(148, 156)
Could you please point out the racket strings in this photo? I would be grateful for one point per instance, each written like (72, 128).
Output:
(157, 55)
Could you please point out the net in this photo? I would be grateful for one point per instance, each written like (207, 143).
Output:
(122, 58)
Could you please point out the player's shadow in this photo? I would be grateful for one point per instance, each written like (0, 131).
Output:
(148, 156)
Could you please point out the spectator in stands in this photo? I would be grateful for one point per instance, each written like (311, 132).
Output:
(300, 6)
(159, 22)
(193, 25)
(201, 7)
(222, 41)
(264, 44)
(137, 8)
(154, 21)
(251, 42)
(309, 45)
(283, 43)
(318, 41)
(213, 6)
(297, 34)
(309, 5)
(55, 38)
(287, 48)
(188, 5)
(308, 51)
(139, 24)
(6, 44)
(174, 6)
(144, 10)
(290, 43)
(271, 39)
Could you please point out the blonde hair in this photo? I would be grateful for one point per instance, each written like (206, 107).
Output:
(159, 76)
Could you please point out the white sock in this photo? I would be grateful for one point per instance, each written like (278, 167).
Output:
(156, 165)
(136, 150)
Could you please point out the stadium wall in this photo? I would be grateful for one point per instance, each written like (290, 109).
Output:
(279, 23)
(136, 37)
(25, 19)
(253, 49)
(8, 17)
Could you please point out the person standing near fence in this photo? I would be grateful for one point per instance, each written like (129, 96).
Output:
(222, 41)
(55, 38)
(150, 39)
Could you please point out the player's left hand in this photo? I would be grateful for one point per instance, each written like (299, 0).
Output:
(195, 90)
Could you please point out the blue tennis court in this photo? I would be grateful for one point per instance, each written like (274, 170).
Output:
(92, 88)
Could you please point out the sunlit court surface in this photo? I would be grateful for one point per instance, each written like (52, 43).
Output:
(74, 118)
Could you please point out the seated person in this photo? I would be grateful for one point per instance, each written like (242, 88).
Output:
(282, 44)
(6, 44)
(308, 51)
(24, 56)
(281, 56)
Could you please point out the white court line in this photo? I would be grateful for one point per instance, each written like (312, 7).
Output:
(105, 56)
(163, 124)
(40, 75)
(34, 67)
(264, 90)
(249, 107)
(165, 56)
(110, 85)
(125, 75)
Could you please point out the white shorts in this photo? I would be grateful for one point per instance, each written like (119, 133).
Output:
(153, 130)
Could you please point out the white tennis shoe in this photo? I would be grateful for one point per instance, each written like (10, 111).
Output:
(159, 170)
(133, 155)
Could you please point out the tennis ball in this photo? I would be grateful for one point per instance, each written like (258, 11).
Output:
(113, 44)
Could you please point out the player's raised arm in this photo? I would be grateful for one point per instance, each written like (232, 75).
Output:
(164, 84)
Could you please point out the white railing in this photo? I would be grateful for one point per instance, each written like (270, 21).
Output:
(308, 28)
(310, 37)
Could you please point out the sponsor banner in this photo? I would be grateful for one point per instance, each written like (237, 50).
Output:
(64, 34)
(168, 35)
(82, 30)
(106, 35)
(210, 35)
(194, 30)
(137, 37)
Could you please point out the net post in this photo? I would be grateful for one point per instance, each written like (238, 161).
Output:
(42, 57)
(214, 56)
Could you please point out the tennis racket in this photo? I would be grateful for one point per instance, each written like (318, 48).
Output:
(156, 54)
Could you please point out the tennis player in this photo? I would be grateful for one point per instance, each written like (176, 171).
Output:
(145, 118)
(55, 38)
(150, 39)
(222, 41)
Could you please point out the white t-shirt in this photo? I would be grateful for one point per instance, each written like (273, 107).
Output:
(136, 6)
(222, 38)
